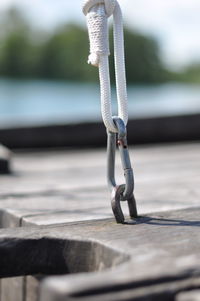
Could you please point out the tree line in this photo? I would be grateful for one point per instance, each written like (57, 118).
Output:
(62, 54)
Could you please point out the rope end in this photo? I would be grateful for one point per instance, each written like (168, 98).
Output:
(93, 59)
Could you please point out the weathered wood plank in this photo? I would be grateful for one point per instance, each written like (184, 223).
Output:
(193, 295)
(166, 177)
(32, 288)
(12, 289)
(161, 248)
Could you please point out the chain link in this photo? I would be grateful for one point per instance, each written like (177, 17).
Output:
(120, 192)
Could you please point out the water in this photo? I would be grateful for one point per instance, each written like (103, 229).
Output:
(37, 102)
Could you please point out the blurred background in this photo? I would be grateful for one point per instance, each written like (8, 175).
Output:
(45, 78)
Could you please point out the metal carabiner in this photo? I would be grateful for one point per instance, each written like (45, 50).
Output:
(120, 192)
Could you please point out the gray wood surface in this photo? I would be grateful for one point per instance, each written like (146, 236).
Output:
(12, 289)
(74, 182)
(193, 295)
(65, 194)
(161, 248)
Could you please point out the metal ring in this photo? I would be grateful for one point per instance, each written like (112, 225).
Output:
(116, 206)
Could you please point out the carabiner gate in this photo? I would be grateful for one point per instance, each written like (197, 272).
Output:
(120, 192)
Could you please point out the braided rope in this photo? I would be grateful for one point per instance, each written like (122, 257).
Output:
(97, 13)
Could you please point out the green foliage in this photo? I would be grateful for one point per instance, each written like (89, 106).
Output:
(63, 54)
(191, 74)
(143, 63)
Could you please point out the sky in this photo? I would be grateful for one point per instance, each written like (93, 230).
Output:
(174, 23)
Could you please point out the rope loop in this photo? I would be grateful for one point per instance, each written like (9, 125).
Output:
(97, 13)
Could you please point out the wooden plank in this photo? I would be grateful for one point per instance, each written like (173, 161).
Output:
(193, 295)
(32, 288)
(160, 248)
(12, 289)
(166, 177)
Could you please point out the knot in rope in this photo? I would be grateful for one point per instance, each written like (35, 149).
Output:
(109, 6)
(97, 13)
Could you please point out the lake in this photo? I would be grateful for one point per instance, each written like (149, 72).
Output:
(37, 102)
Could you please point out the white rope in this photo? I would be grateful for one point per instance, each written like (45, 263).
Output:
(98, 12)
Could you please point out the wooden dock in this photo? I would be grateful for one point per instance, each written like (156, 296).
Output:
(56, 219)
